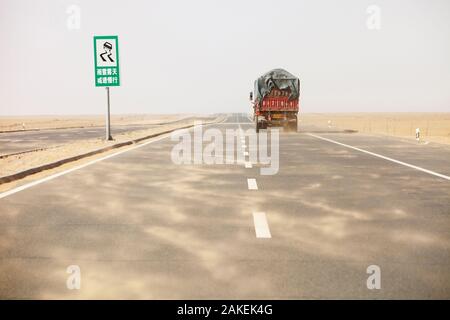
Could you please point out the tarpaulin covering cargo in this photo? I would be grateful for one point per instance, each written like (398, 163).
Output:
(277, 78)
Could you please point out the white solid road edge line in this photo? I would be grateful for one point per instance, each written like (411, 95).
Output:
(252, 184)
(56, 175)
(382, 157)
(261, 226)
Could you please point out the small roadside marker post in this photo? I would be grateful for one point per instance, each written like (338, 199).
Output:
(107, 73)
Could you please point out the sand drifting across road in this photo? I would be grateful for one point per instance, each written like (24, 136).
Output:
(17, 163)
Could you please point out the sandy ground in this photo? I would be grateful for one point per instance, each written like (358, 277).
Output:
(14, 123)
(14, 164)
(434, 127)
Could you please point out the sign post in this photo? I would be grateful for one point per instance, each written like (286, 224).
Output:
(108, 122)
(107, 73)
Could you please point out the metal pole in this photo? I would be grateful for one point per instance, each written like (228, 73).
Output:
(108, 125)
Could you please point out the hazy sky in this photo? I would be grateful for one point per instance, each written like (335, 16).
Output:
(203, 56)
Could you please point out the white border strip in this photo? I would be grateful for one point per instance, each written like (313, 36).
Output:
(382, 157)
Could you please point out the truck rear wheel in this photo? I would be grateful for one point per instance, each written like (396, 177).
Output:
(291, 126)
(294, 126)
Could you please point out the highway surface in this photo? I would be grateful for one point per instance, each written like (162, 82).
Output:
(140, 226)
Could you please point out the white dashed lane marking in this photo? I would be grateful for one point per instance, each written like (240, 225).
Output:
(252, 184)
(261, 226)
(259, 218)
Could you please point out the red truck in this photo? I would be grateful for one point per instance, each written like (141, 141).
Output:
(276, 100)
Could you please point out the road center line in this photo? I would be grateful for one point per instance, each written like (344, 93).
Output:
(261, 226)
(252, 184)
(382, 157)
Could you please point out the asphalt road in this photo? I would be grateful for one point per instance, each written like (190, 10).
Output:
(140, 226)
(19, 141)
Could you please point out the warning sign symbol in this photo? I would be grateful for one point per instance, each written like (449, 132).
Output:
(108, 48)
(106, 52)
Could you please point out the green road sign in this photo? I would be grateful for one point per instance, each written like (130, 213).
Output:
(106, 58)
